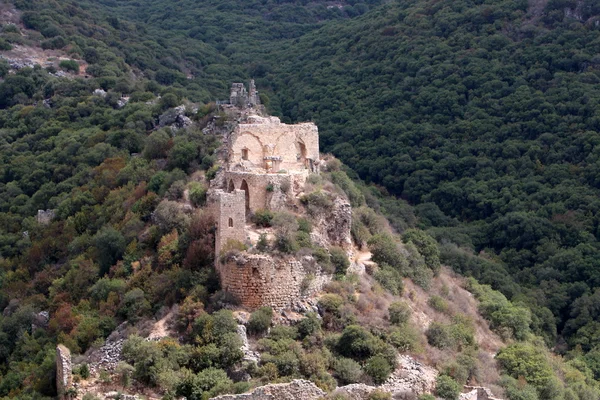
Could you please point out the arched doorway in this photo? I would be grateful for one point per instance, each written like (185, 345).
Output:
(245, 188)
(231, 187)
(302, 148)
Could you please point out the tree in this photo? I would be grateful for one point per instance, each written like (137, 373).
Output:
(110, 245)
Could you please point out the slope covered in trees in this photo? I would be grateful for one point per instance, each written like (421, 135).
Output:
(483, 114)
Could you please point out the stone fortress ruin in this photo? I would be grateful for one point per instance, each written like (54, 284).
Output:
(266, 164)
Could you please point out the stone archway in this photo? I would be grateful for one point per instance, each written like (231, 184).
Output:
(231, 186)
(245, 188)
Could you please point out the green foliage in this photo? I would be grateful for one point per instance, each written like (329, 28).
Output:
(389, 278)
(263, 218)
(399, 313)
(197, 192)
(339, 260)
(110, 244)
(378, 368)
(459, 333)
(347, 370)
(438, 304)
(69, 65)
(528, 361)
(260, 320)
(379, 395)
(447, 388)
(427, 247)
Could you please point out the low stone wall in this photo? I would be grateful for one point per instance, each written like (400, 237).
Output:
(298, 389)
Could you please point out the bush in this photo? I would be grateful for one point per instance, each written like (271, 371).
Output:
(426, 245)
(263, 243)
(390, 279)
(197, 193)
(339, 259)
(386, 250)
(404, 338)
(263, 218)
(527, 361)
(399, 313)
(379, 395)
(309, 325)
(357, 343)
(69, 65)
(304, 225)
(378, 368)
(447, 388)
(438, 304)
(347, 370)
(260, 320)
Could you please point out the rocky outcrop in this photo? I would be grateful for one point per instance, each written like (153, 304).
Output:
(410, 377)
(298, 389)
(477, 393)
(175, 118)
(64, 377)
(44, 217)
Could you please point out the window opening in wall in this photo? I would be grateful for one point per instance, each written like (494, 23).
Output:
(231, 187)
(231, 222)
(255, 273)
(302, 148)
(244, 154)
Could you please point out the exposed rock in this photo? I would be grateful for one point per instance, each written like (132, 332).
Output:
(64, 377)
(122, 101)
(298, 389)
(339, 223)
(40, 320)
(249, 355)
(175, 118)
(477, 393)
(99, 92)
(108, 356)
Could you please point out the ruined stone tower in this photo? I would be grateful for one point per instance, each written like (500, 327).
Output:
(267, 165)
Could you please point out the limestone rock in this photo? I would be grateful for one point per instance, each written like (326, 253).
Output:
(340, 222)
(298, 389)
(175, 118)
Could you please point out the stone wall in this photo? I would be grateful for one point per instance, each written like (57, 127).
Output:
(259, 195)
(231, 218)
(298, 389)
(267, 144)
(262, 280)
(64, 377)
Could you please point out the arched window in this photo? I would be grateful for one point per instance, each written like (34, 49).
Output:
(244, 154)
(231, 187)
(231, 222)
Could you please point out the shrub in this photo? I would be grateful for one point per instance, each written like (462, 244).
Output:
(438, 304)
(379, 395)
(263, 218)
(527, 361)
(404, 338)
(69, 65)
(438, 335)
(347, 370)
(390, 279)
(330, 302)
(426, 245)
(309, 325)
(304, 225)
(280, 332)
(303, 240)
(260, 320)
(317, 202)
(357, 343)
(339, 259)
(378, 368)
(426, 396)
(263, 243)
(386, 250)
(197, 192)
(447, 388)
(399, 312)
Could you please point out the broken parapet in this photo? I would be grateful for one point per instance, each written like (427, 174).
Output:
(64, 376)
(477, 393)
(44, 217)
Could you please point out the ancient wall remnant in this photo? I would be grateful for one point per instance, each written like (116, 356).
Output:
(231, 218)
(44, 217)
(298, 389)
(241, 98)
(64, 377)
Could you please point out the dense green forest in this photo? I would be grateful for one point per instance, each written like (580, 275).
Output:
(483, 115)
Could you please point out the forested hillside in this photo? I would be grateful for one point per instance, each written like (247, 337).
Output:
(483, 115)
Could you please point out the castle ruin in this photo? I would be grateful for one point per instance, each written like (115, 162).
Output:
(267, 163)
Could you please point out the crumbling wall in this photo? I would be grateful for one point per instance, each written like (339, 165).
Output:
(268, 144)
(231, 218)
(264, 189)
(262, 280)
(64, 377)
(298, 389)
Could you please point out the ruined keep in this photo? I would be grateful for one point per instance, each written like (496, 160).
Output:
(267, 163)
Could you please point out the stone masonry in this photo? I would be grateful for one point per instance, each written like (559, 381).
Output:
(231, 218)
(298, 389)
(267, 164)
(64, 377)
